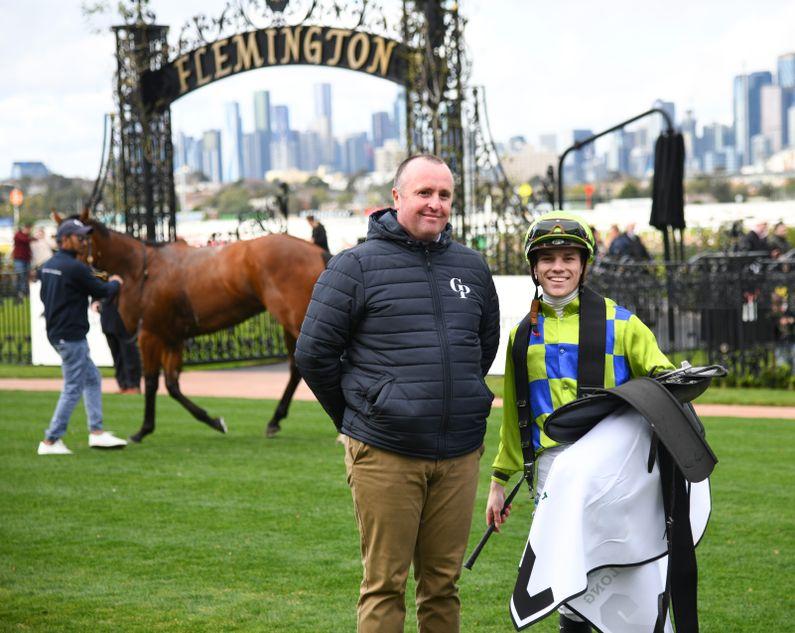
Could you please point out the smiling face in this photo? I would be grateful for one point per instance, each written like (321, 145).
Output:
(423, 198)
(558, 270)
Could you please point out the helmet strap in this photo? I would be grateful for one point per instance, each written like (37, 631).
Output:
(535, 306)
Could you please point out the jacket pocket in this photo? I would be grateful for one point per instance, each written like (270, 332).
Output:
(486, 388)
(377, 396)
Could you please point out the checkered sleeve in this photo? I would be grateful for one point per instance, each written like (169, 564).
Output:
(641, 350)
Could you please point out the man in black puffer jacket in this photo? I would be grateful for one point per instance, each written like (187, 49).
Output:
(396, 342)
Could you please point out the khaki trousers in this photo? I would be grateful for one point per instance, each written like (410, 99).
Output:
(410, 510)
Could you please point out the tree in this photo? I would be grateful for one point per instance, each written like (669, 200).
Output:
(721, 190)
(232, 200)
(630, 190)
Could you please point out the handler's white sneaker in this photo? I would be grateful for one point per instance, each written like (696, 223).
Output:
(105, 439)
(56, 448)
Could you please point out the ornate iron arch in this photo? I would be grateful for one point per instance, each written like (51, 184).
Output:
(420, 45)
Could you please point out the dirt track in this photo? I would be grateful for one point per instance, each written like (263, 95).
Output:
(269, 382)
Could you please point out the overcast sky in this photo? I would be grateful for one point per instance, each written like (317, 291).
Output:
(546, 66)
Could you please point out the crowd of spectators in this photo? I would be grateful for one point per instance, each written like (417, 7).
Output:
(761, 239)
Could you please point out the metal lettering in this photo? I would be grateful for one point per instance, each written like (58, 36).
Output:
(313, 47)
(292, 42)
(183, 73)
(201, 78)
(339, 35)
(248, 53)
(381, 56)
(360, 41)
(271, 34)
(220, 59)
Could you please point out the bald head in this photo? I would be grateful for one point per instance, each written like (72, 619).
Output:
(401, 170)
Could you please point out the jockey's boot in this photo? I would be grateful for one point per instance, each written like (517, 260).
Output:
(568, 625)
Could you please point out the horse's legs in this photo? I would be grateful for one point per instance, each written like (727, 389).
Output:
(151, 347)
(172, 366)
(287, 397)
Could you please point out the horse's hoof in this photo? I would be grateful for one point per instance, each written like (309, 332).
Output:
(136, 438)
(272, 429)
(220, 426)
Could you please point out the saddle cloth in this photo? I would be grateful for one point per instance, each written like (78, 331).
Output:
(597, 541)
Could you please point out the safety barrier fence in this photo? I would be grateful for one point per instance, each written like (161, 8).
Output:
(14, 322)
(731, 309)
(716, 308)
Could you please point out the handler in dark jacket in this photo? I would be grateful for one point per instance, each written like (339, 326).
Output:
(397, 339)
(66, 284)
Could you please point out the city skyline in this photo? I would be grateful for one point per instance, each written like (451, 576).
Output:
(556, 69)
(233, 151)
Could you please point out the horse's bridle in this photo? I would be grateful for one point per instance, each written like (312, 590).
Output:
(103, 274)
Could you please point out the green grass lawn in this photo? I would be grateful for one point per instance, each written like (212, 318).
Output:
(195, 531)
(714, 395)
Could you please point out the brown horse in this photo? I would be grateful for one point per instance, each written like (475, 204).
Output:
(173, 292)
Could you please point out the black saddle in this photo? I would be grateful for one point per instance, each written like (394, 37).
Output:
(664, 401)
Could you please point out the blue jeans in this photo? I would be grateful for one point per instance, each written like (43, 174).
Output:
(81, 377)
(22, 270)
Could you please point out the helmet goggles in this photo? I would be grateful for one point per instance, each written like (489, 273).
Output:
(557, 232)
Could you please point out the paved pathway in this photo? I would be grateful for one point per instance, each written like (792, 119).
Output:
(269, 382)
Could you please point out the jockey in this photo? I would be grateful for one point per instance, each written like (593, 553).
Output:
(558, 247)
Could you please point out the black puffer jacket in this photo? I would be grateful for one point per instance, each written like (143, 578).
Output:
(397, 339)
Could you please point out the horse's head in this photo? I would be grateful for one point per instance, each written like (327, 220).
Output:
(98, 239)
(84, 248)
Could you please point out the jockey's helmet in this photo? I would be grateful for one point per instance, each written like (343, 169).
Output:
(558, 229)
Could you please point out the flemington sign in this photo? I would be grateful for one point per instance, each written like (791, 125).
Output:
(281, 46)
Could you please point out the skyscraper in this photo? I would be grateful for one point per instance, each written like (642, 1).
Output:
(181, 146)
(252, 161)
(284, 143)
(771, 116)
(785, 68)
(747, 111)
(785, 72)
(618, 154)
(323, 123)
(263, 129)
(575, 167)
(211, 155)
(399, 117)
(309, 149)
(194, 155)
(323, 102)
(382, 128)
(656, 124)
(232, 143)
(357, 154)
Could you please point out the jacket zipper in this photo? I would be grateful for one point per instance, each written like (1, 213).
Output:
(441, 331)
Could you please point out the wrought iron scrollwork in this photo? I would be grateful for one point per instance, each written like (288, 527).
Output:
(248, 15)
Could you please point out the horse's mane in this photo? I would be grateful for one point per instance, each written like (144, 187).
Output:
(104, 231)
